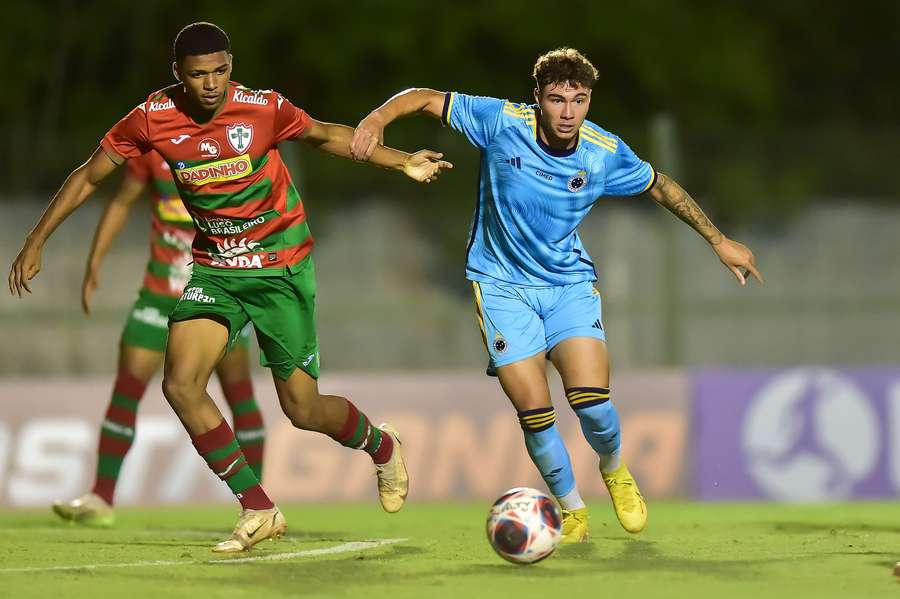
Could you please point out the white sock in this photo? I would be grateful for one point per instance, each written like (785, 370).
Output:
(571, 500)
(610, 462)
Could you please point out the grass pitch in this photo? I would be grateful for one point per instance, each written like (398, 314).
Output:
(439, 550)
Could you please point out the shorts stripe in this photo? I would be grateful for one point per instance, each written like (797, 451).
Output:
(479, 313)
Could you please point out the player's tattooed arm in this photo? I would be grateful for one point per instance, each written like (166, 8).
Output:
(671, 196)
(370, 131)
(77, 188)
(734, 255)
(423, 166)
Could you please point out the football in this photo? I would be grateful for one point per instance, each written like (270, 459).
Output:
(524, 525)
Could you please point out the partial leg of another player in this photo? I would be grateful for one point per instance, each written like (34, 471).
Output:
(136, 367)
(583, 364)
(195, 347)
(525, 384)
(234, 376)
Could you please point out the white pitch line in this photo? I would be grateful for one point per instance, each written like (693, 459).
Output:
(343, 548)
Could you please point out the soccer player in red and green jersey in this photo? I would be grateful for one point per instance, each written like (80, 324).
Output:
(252, 260)
(143, 341)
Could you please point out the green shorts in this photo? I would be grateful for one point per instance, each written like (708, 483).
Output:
(282, 310)
(148, 322)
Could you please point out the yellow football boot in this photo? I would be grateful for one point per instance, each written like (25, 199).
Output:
(574, 526)
(626, 498)
(393, 479)
(89, 509)
(252, 527)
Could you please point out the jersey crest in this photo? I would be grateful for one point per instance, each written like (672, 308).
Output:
(240, 136)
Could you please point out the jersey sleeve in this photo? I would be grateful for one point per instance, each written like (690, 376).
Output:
(130, 137)
(290, 121)
(626, 174)
(476, 117)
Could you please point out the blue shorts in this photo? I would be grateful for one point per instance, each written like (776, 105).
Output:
(519, 322)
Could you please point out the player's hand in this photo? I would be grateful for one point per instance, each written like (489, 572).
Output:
(24, 268)
(90, 283)
(424, 166)
(368, 135)
(737, 258)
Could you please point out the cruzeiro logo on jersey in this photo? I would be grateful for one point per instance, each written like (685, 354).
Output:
(577, 181)
(240, 136)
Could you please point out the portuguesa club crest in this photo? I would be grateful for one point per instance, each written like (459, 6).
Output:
(240, 136)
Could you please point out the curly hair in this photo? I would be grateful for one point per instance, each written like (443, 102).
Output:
(564, 65)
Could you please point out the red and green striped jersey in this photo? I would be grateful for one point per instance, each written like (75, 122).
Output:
(171, 229)
(248, 215)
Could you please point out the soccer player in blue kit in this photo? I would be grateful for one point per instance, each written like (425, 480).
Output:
(543, 167)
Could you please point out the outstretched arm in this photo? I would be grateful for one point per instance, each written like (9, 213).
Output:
(423, 166)
(108, 228)
(734, 255)
(77, 188)
(370, 131)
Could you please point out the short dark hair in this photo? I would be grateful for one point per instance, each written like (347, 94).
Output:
(564, 65)
(200, 38)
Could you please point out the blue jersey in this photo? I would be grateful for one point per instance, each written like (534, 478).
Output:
(531, 198)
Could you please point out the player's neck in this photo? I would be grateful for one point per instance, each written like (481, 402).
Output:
(201, 114)
(553, 142)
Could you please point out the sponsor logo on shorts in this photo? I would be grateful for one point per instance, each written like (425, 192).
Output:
(195, 294)
(152, 316)
(222, 170)
(500, 344)
(577, 181)
(209, 148)
(253, 97)
(240, 136)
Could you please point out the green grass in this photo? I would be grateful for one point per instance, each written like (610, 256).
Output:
(688, 550)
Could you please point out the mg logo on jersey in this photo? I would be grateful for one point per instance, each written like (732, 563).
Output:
(240, 136)
(209, 148)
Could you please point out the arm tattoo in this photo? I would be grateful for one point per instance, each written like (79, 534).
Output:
(670, 195)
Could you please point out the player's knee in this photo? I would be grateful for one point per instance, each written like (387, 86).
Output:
(181, 391)
(302, 410)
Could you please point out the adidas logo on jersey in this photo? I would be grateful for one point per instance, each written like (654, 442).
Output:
(515, 162)
(597, 325)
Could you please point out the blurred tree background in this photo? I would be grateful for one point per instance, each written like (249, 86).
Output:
(776, 104)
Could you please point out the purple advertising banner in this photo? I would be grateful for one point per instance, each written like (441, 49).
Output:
(803, 434)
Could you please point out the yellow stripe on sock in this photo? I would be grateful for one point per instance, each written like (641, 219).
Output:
(584, 394)
(537, 418)
(585, 400)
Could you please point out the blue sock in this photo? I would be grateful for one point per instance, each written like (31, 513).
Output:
(599, 422)
(545, 446)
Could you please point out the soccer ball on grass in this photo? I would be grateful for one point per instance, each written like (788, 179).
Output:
(524, 525)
